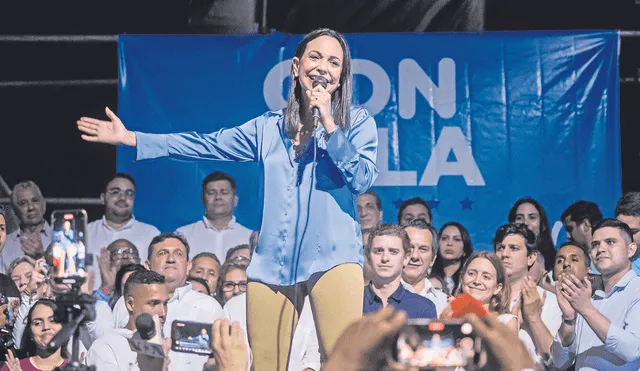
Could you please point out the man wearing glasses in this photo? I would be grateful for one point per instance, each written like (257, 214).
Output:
(118, 221)
(119, 253)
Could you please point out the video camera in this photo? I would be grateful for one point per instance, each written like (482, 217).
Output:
(6, 332)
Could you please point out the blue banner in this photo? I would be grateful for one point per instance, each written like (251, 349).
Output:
(469, 122)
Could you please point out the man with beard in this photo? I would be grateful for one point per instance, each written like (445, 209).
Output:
(118, 221)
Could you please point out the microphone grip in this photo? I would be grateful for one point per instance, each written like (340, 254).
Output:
(316, 116)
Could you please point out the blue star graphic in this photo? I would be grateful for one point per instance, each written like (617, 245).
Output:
(466, 204)
(433, 204)
(398, 203)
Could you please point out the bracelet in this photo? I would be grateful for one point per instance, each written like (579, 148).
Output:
(570, 322)
(106, 291)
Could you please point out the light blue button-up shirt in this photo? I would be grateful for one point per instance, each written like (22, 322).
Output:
(621, 349)
(310, 216)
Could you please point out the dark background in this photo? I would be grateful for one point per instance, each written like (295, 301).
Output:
(38, 136)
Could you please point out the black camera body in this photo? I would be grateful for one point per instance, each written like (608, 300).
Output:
(6, 333)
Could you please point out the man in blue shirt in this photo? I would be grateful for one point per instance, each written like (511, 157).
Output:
(628, 211)
(600, 329)
(388, 251)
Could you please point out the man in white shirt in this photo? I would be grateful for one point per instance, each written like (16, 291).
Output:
(423, 238)
(34, 234)
(169, 256)
(305, 351)
(218, 230)
(118, 221)
(515, 245)
(144, 292)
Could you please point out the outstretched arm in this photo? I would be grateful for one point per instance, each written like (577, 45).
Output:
(234, 144)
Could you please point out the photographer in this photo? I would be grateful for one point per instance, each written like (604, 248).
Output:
(9, 302)
(41, 328)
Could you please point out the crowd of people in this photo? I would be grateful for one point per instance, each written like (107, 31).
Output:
(571, 306)
(323, 284)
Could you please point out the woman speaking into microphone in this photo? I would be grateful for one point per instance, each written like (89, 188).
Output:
(310, 239)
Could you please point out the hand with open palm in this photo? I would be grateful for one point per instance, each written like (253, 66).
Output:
(109, 132)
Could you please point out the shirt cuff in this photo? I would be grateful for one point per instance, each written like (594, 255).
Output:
(150, 146)
(340, 149)
(100, 295)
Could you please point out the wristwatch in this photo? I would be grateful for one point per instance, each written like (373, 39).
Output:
(570, 322)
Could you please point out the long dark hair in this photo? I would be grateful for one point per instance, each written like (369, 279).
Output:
(544, 240)
(341, 98)
(467, 249)
(28, 347)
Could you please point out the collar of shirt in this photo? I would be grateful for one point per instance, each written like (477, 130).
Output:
(620, 285)
(128, 225)
(231, 225)
(180, 292)
(397, 295)
(47, 230)
(428, 287)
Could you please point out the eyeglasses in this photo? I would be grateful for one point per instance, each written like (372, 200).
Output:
(117, 192)
(229, 286)
(123, 254)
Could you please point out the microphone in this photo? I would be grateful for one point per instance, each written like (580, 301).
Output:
(322, 81)
(146, 326)
(147, 339)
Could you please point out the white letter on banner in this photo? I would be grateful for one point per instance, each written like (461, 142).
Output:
(272, 88)
(379, 80)
(386, 177)
(442, 98)
(452, 139)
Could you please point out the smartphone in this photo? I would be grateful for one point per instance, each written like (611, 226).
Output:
(427, 344)
(69, 244)
(191, 337)
(596, 282)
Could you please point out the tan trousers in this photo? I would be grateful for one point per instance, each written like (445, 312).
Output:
(336, 301)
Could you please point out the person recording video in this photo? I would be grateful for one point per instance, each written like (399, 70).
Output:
(91, 330)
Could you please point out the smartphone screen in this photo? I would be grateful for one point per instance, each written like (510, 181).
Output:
(69, 246)
(427, 344)
(191, 337)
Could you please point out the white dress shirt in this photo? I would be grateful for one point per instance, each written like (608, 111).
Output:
(305, 351)
(100, 234)
(13, 248)
(184, 305)
(551, 317)
(437, 297)
(203, 237)
(621, 349)
(112, 352)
